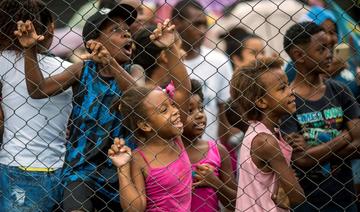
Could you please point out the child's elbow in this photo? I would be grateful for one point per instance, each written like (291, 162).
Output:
(37, 95)
(298, 197)
(297, 200)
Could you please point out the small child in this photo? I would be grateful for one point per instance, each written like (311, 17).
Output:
(266, 180)
(158, 177)
(210, 161)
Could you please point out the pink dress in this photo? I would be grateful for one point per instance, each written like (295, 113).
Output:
(168, 188)
(256, 187)
(204, 199)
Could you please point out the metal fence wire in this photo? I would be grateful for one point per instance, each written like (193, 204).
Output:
(159, 105)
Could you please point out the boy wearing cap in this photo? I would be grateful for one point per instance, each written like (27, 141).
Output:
(89, 178)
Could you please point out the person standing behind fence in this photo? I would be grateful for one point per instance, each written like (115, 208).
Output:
(33, 150)
(89, 177)
(266, 180)
(212, 172)
(326, 121)
(154, 60)
(209, 66)
(157, 175)
(243, 47)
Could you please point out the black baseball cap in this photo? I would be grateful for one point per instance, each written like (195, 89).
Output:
(92, 25)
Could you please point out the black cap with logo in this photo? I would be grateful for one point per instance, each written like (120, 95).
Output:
(92, 25)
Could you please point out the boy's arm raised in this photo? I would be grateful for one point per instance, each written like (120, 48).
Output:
(39, 87)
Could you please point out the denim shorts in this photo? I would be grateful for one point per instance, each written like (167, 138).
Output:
(29, 191)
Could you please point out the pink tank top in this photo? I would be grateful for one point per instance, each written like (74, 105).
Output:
(205, 198)
(168, 188)
(256, 187)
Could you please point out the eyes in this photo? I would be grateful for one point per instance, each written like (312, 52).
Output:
(165, 107)
(119, 29)
(199, 109)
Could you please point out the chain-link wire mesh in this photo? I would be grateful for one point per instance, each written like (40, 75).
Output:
(182, 105)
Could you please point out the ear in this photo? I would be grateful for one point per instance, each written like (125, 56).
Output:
(51, 28)
(297, 54)
(238, 63)
(144, 126)
(261, 103)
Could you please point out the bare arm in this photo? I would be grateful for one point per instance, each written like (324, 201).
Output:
(131, 179)
(266, 148)
(228, 188)
(40, 87)
(352, 149)
(132, 187)
(164, 37)
(181, 80)
(122, 77)
(321, 153)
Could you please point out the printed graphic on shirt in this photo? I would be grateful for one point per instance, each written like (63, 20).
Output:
(320, 127)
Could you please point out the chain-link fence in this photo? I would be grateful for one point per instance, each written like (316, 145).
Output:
(185, 105)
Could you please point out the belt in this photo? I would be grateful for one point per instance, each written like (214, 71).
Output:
(32, 169)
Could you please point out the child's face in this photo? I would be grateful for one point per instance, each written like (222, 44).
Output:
(163, 115)
(116, 38)
(254, 48)
(318, 56)
(279, 98)
(196, 121)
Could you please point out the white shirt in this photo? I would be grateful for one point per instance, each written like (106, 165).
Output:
(213, 69)
(34, 129)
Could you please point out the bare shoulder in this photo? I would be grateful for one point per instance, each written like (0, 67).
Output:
(265, 144)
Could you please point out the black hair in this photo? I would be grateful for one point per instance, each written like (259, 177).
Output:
(235, 40)
(180, 10)
(12, 11)
(300, 34)
(146, 52)
(196, 89)
(131, 107)
(246, 86)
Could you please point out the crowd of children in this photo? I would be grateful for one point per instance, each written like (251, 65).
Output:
(90, 136)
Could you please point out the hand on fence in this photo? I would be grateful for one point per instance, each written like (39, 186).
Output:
(164, 35)
(119, 153)
(205, 176)
(99, 53)
(26, 34)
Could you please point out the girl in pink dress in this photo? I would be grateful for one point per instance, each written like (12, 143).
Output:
(211, 164)
(157, 175)
(266, 180)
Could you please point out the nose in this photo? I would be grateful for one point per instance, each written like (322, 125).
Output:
(199, 115)
(127, 34)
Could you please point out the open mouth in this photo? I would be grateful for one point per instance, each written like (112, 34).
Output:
(292, 102)
(177, 123)
(200, 126)
(128, 49)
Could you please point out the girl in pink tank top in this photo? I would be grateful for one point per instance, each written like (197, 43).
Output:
(157, 175)
(266, 180)
(211, 165)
